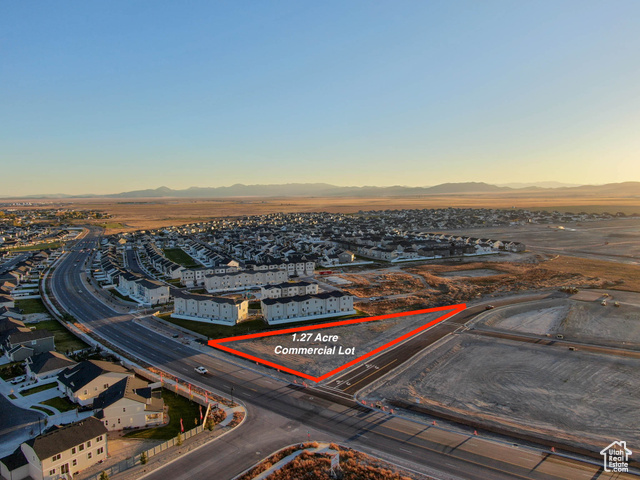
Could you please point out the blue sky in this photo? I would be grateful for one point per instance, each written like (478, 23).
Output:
(111, 96)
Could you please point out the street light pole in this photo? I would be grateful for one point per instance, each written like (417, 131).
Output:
(232, 393)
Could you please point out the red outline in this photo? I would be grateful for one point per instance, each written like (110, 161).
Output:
(217, 343)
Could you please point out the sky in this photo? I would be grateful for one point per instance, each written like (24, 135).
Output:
(105, 97)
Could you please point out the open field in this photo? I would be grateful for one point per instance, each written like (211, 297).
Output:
(379, 283)
(364, 337)
(31, 305)
(180, 257)
(616, 240)
(147, 213)
(453, 282)
(586, 398)
(621, 276)
(579, 321)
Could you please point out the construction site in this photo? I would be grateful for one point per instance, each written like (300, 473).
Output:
(565, 370)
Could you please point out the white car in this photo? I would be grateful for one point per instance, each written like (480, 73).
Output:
(201, 370)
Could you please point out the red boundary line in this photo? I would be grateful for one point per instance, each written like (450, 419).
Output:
(217, 343)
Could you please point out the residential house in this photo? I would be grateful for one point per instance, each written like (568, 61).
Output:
(61, 452)
(130, 403)
(85, 381)
(207, 308)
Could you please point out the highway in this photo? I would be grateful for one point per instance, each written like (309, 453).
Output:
(280, 414)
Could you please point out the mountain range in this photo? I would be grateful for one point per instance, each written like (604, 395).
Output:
(326, 190)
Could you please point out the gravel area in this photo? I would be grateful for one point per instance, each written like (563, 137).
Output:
(588, 322)
(580, 396)
(364, 337)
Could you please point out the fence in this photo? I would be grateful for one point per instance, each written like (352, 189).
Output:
(133, 461)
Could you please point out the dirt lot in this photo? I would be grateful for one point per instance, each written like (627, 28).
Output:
(450, 283)
(583, 397)
(619, 276)
(377, 284)
(363, 336)
(615, 240)
(579, 321)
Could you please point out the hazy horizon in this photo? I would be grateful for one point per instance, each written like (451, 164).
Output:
(104, 98)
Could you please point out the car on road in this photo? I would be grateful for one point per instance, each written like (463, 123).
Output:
(201, 370)
(489, 307)
(603, 303)
(616, 304)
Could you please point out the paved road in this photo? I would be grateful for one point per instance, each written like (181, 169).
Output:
(279, 413)
(15, 423)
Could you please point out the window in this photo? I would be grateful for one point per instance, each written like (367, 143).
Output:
(100, 451)
(118, 420)
(81, 447)
(52, 471)
(75, 462)
(124, 409)
(89, 444)
(105, 386)
(89, 456)
(55, 457)
(73, 451)
(86, 392)
(99, 439)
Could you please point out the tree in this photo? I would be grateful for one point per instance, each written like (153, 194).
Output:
(104, 476)
(143, 458)
(209, 425)
(179, 441)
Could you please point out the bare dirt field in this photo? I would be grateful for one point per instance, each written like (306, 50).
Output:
(615, 240)
(580, 321)
(381, 283)
(363, 336)
(147, 213)
(586, 398)
(478, 272)
(437, 289)
(618, 276)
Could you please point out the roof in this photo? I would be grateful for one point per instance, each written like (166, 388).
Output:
(288, 284)
(302, 298)
(84, 372)
(150, 284)
(15, 460)
(131, 387)
(60, 439)
(48, 361)
(21, 337)
(198, 297)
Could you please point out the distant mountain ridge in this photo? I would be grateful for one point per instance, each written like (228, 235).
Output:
(308, 190)
(327, 190)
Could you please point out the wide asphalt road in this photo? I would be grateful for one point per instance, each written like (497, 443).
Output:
(281, 414)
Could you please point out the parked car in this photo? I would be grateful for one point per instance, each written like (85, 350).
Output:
(201, 370)
(19, 379)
